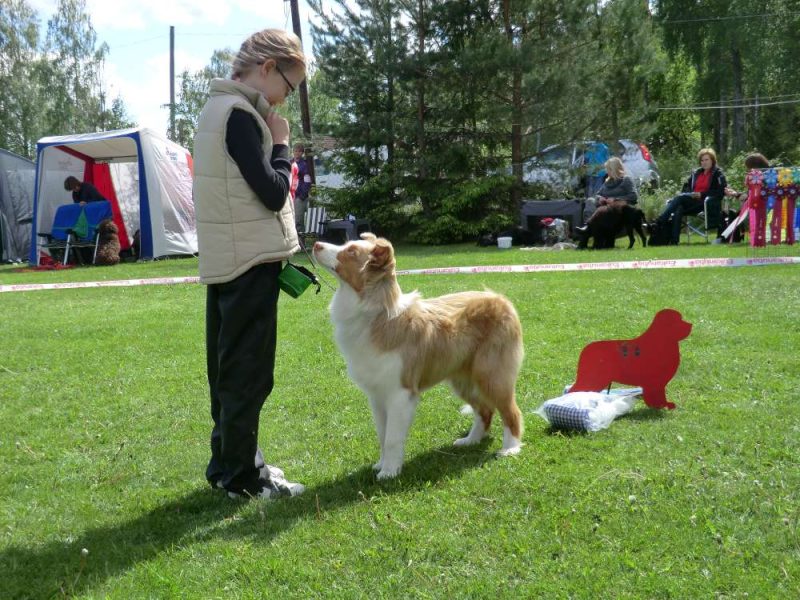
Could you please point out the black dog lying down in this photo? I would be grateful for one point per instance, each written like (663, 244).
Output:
(609, 222)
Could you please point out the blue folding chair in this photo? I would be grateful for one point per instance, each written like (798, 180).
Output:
(75, 227)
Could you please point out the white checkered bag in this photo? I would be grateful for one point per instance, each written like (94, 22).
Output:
(585, 411)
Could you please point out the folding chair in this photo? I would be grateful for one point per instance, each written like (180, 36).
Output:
(701, 223)
(316, 217)
(75, 227)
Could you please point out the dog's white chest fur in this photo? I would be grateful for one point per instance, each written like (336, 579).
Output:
(371, 369)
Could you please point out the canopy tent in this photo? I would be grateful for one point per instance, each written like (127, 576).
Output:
(16, 205)
(146, 178)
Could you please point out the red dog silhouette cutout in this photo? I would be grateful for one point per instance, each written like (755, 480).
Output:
(649, 361)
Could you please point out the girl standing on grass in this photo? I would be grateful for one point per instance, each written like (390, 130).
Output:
(245, 228)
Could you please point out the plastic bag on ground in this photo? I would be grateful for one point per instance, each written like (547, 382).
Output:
(586, 411)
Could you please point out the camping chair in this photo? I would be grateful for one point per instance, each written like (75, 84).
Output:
(316, 217)
(75, 227)
(703, 222)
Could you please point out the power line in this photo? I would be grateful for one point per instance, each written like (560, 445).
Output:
(749, 105)
(756, 99)
(728, 18)
(136, 43)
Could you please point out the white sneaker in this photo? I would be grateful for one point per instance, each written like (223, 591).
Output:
(275, 487)
(273, 472)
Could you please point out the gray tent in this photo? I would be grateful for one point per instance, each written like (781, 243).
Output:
(17, 175)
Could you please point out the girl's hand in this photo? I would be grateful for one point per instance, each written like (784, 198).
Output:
(278, 127)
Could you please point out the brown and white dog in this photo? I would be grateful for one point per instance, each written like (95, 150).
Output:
(398, 345)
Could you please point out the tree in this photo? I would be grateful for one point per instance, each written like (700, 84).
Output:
(630, 56)
(55, 86)
(743, 57)
(193, 93)
(19, 38)
(74, 73)
(469, 82)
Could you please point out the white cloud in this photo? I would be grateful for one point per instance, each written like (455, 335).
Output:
(146, 98)
(138, 14)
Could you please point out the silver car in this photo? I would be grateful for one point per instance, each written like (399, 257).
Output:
(569, 167)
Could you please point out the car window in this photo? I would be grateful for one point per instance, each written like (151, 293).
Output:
(558, 157)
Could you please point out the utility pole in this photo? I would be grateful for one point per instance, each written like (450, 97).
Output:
(172, 83)
(305, 114)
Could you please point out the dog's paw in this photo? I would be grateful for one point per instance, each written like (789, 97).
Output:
(510, 451)
(388, 473)
(377, 466)
(467, 441)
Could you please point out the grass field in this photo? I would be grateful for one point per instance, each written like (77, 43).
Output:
(104, 412)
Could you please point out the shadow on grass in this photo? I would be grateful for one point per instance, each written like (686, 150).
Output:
(56, 568)
(646, 414)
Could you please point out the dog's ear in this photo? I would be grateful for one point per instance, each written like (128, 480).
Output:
(369, 236)
(382, 255)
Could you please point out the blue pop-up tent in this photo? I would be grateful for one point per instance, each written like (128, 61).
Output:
(146, 178)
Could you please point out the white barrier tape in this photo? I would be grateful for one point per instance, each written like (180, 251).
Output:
(31, 287)
(687, 263)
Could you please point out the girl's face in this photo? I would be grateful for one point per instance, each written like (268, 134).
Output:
(706, 162)
(274, 82)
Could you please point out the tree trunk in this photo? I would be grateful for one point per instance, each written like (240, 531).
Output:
(738, 95)
(516, 108)
(719, 137)
(390, 99)
(422, 163)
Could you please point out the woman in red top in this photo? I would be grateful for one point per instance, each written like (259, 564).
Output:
(706, 182)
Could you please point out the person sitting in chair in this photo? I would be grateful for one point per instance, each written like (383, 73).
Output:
(82, 191)
(617, 185)
(706, 182)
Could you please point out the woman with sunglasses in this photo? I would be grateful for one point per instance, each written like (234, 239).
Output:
(245, 228)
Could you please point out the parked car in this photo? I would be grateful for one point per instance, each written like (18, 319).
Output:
(566, 167)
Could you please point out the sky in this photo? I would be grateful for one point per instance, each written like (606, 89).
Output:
(137, 33)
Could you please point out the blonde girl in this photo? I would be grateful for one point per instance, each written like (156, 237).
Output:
(245, 228)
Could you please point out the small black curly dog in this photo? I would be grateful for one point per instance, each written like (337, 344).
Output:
(108, 245)
(609, 222)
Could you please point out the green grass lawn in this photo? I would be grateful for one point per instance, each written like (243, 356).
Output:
(104, 412)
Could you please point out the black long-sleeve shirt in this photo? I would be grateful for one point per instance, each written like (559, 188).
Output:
(269, 179)
(87, 193)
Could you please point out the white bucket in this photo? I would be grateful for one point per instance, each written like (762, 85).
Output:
(504, 242)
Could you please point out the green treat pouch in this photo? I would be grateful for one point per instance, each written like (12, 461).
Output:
(294, 280)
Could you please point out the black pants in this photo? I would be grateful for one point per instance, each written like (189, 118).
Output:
(680, 206)
(241, 331)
